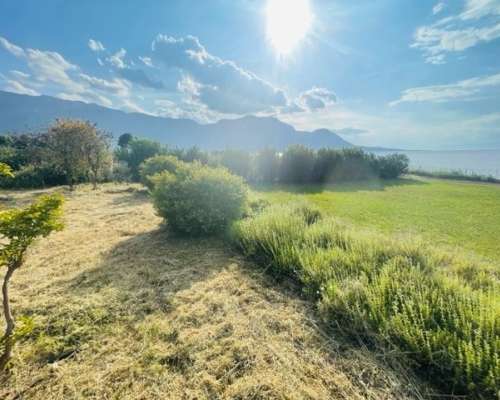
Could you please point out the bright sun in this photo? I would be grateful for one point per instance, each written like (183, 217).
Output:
(288, 22)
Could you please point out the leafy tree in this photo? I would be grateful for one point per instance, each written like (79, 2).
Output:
(96, 149)
(237, 161)
(297, 164)
(124, 140)
(67, 141)
(137, 151)
(267, 163)
(18, 229)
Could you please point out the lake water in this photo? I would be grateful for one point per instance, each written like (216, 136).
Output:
(482, 162)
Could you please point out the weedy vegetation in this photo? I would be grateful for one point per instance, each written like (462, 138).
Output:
(439, 312)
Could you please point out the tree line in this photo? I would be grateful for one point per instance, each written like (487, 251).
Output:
(73, 151)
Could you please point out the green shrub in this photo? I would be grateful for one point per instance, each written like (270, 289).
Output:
(239, 162)
(199, 200)
(297, 164)
(31, 176)
(155, 165)
(439, 312)
(392, 166)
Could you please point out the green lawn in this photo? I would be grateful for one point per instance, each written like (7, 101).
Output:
(462, 214)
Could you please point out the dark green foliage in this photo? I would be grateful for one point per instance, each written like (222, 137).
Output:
(136, 152)
(456, 175)
(297, 164)
(266, 166)
(326, 164)
(124, 140)
(237, 161)
(199, 200)
(356, 165)
(191, 154)
(32, 176)
(155, 165)
(409, 298)
(392, 165)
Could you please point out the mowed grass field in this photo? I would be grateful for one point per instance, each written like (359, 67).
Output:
(447, 213)
(124, 310)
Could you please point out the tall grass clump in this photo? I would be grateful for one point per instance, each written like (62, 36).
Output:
(440, 313)
(198, 199)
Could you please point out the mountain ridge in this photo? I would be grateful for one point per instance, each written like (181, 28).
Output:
(24, 113)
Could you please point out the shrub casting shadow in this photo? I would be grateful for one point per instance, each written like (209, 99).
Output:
(149, 268)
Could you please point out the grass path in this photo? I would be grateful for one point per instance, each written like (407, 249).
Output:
(450, 213)
(125, 311)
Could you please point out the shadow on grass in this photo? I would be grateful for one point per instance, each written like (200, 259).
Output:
(358, 186)
(148, 269)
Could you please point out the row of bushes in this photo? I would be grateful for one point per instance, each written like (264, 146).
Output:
(297, 164)
(440, 313)
(456, 175)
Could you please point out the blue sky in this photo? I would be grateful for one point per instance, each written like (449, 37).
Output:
(398, 73)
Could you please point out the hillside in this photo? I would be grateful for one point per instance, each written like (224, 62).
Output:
(139, 314)
(21, 113)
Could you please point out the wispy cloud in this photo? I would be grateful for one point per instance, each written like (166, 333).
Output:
(53, 74)
(96, 45)
(117, 59)
(479, 22)
(438, 8)
(464, 90)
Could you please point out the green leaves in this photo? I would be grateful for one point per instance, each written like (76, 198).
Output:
(199, 200)
(5, 171)
(22, 226)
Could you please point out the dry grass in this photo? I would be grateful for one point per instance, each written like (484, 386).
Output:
(124, 310)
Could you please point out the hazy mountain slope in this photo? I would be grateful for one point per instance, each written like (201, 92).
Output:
(21, 113)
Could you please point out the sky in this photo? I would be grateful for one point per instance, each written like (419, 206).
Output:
(396, 73)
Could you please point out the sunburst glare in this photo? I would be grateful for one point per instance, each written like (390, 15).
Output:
(288, 22)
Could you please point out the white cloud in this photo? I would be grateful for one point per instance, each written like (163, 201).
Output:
(147, 61)
(317, 98)
(222, 85)
(96, 45)
(17, 87)
(467, 89)
(19, 74)
(479, 22)
(116, 86)
(438, 8)
(117, 59)
(11, 48)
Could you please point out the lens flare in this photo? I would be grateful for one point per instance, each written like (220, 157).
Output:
(288, 22)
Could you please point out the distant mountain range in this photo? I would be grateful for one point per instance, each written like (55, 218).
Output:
(22, 113)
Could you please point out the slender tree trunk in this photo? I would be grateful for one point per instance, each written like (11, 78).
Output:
(94, 179)
(8, 340)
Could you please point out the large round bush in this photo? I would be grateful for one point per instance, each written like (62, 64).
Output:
(199, 200)
(155, 165)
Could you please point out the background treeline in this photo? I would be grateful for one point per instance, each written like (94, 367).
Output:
(68, 152)
(71, 152)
